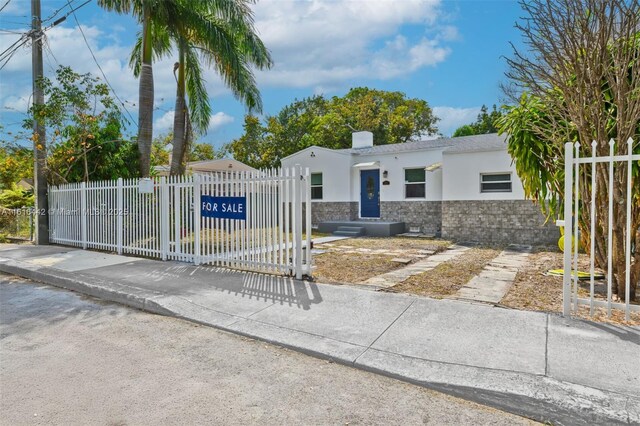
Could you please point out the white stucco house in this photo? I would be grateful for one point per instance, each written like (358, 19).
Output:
(462, 188)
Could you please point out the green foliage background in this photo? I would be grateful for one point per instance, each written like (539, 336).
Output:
(390, 116)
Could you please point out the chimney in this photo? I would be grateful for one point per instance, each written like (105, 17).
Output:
(361, 140)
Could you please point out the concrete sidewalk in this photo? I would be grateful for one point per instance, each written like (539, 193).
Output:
(533, 364)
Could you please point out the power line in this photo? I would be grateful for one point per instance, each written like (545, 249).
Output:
(9, 57)
(5, 5)
(22, 38)
(8, 53)
(48, 52)
(96, 61)
(53, 15)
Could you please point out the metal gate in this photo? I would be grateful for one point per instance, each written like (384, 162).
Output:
(581, 169)
(249, 220)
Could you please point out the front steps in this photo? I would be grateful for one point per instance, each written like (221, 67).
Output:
(350, 231)
(372, 228)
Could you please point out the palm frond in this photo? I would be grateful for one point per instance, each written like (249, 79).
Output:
(198, 98)
(161, 47)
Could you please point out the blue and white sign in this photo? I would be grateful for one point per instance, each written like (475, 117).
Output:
(224, 207)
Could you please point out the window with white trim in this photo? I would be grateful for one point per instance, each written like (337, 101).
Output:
(316, 186)
(414, 183)
(495, 182)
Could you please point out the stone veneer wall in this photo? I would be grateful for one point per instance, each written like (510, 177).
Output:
(425, 214)
(489, 222)
(497, 222)
(327, 211)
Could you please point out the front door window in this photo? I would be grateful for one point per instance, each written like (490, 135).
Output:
(371, 188)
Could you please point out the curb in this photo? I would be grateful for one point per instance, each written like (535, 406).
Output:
(540, 398)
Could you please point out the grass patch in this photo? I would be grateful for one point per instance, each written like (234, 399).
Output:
(448, 277)
(394, 243)
(354, 268)
(355, 260)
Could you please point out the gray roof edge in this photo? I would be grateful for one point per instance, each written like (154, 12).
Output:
(338, 151)
(463, 144)
(471, 151)
(431, 148)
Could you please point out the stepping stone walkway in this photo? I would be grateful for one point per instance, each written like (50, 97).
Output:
(328, 239)
(497, 277)
(395, 277)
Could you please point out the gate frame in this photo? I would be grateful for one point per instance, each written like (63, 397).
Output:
(570, 282)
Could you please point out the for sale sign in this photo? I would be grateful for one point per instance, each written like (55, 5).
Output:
(224, 207)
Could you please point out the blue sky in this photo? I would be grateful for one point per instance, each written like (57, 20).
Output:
(446, 52)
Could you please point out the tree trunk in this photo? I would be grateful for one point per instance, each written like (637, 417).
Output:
(145, 104)
(178, 155)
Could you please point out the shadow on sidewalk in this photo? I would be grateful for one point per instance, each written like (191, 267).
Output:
(265, 287)
(627, 334)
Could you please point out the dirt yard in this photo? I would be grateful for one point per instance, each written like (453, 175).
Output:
(355, 260)
(533, 290)
(448, 277)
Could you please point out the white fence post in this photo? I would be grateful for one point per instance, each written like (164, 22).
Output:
(610, 230)
(307, 201)
(119, 218)
(197, 210)
(627, 242)
(297, 232)
(576, 231)
(83, 214)
(164, 218)
(568, 238)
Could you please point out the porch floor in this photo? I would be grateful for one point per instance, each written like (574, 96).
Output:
(372, 228)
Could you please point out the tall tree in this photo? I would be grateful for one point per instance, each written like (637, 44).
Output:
(16, 162)
(390, 116)
(84, 125)
(485, 123)
(218, 32)
(143, 10)
(204, 151)
(579, 80)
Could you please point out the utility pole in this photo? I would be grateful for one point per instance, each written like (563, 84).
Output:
(39, 137)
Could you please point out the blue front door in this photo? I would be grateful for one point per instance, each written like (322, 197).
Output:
(370, 193)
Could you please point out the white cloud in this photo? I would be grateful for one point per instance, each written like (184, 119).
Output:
(15, 7)
(218, 120)
(68, 48)
(17, 103)
(451, 118)
(317, 44)
(324, 42)
(163, 124)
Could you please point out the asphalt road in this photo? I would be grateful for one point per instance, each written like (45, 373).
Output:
(68, 359)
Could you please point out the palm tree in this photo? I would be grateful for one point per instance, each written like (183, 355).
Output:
(144, 10)
(219, 31)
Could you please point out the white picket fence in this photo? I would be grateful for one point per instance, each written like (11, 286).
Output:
(166, 219)
(572, 202)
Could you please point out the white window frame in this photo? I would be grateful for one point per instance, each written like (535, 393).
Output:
(316, 186)
(489, 191)
(405, 183)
